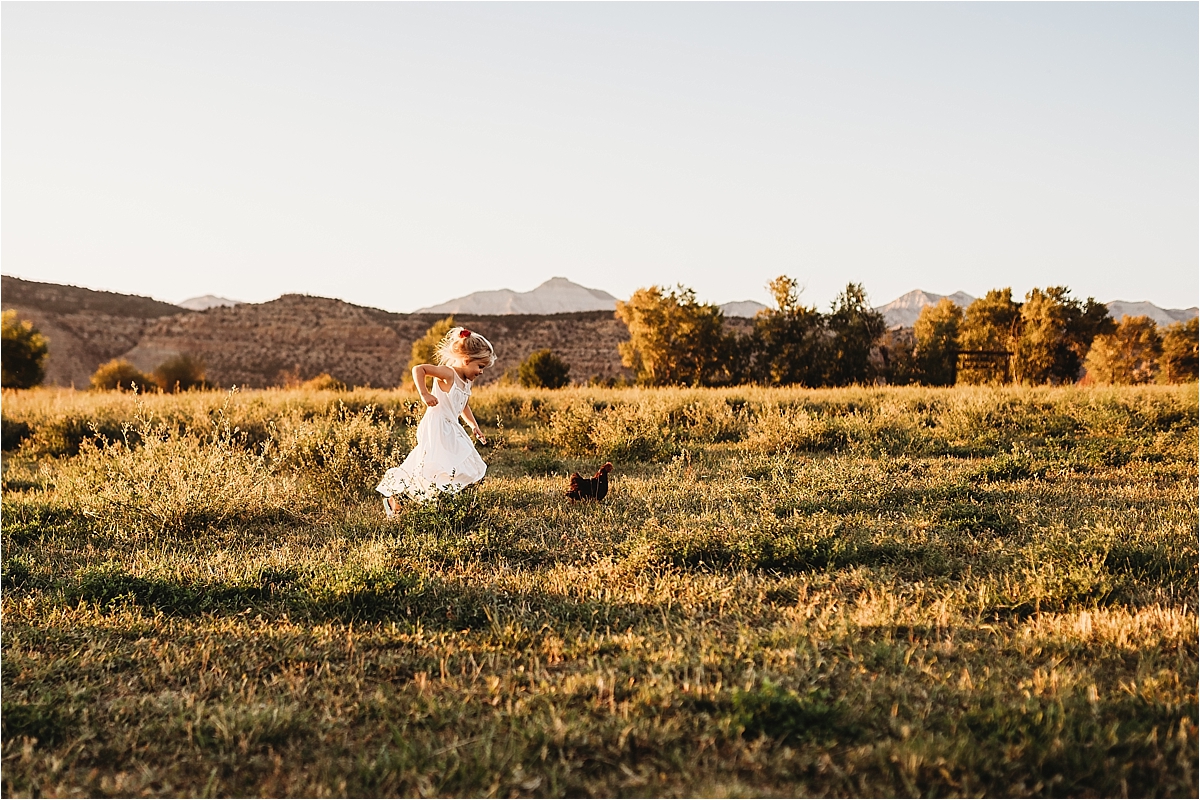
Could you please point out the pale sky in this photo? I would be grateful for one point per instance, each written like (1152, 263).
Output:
(397, 155)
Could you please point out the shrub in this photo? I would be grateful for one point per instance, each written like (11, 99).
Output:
(780, 428)
(119, 374)
(324, 382)
(180, 373)
(64, 434)
(544, 370)
(176, 482)
(343, 453)
(13, 432)
(570, 429)
(620, 431)
(447, 513)
(24, 353)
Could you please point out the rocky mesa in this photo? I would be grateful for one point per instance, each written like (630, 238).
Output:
(258, 344)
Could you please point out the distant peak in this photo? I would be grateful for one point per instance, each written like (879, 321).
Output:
(555, 296)
(207, 301)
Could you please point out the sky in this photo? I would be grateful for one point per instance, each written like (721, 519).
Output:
(397, 155)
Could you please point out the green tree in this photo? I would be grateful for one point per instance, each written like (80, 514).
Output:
(936, 353)
(180, 373)
(673, 339)
(544, 370)
(120, 374)
(1126, 356)
(990, 324)
(1180, 360)
(1056, 332)
(854, 328)
(424, 350)
(23, 357)
(787, 345)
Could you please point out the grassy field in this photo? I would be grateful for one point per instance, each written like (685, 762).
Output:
(838, 592)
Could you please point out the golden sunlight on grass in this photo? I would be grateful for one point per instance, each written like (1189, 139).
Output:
(840, 592)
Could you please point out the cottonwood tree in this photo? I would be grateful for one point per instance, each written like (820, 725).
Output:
(936, 352)
(788, 342)
(853, 328)
(990, 324)
(1128, 355)
(1180, 360)
(1056, 331)
(23, 357)
(673, 339)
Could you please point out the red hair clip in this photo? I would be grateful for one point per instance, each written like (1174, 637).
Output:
(464, 333)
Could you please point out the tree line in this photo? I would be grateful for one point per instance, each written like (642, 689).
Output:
(1049, 338)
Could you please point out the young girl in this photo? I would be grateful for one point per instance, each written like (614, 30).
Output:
(444, 459)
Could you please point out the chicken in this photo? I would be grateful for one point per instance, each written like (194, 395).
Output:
(593, 488)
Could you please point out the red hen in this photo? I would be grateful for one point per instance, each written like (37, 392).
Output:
(593, 488)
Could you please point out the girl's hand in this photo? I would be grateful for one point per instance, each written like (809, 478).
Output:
(479, 435)
(428, 399)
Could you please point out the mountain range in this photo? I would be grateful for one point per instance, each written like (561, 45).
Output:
(904, 310)
(555, 296)
(560, 295)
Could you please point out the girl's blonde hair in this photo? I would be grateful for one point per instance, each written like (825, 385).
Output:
(460, 345)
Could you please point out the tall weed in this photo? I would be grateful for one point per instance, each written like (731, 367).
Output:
(341, 454)
(622, 431)
(175, 481)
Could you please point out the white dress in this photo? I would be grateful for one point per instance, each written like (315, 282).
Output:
(444, 459)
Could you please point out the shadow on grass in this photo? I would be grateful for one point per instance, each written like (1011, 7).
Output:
(957, 507)
(31, 520)
(343, 596)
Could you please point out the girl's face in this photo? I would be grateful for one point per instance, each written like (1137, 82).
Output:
(472, 368)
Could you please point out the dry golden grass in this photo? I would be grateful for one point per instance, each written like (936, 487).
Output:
(836, 592)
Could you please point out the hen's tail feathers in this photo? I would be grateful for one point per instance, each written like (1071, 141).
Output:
(573, 490)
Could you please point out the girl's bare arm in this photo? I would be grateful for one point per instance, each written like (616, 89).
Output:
(437, 371)
(469, 416)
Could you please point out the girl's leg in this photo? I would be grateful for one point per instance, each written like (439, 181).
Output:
(389, 507)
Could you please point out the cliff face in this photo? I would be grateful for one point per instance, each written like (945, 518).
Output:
(84, 328)
(253, 345)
